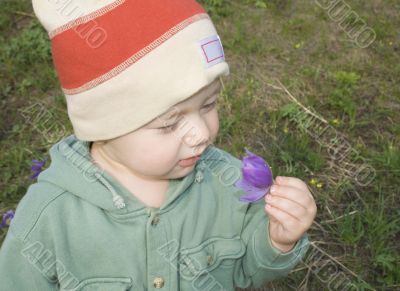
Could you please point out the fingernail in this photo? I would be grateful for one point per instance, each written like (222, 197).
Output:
(273, 189)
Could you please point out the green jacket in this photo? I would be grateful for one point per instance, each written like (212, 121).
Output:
(78, 228)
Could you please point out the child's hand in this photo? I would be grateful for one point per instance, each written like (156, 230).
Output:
(291, 209)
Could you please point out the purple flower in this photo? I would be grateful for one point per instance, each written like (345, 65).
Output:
(36, 168)
(5, 222)
(257, 178)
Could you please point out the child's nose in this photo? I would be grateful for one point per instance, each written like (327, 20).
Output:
(197, 133)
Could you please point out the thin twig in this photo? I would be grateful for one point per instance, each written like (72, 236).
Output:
(329, 211)
(336, 261)
(222, 83)
(299, 269)
(339, 217)
(24, 14)
(319, 226)
(300, 104)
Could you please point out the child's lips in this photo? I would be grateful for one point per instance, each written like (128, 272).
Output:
(189, 162)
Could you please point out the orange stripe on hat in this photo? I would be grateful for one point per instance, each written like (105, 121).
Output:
(96, 47)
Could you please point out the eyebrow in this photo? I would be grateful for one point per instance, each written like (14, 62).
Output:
(177, 113)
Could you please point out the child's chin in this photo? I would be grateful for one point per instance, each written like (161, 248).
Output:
(183, 172)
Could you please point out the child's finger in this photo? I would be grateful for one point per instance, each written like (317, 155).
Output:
(291, 181)
(292, 208)
(291, 193)
(282, 217)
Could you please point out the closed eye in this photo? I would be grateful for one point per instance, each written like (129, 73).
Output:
(210, 105)
(168, 128)
(172, 127)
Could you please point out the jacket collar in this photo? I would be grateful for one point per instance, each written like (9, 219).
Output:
(73, 169)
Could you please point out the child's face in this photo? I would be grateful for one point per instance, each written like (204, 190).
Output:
(151, 152)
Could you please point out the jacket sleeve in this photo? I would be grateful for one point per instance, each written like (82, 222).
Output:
(263, 262)
(19, 269)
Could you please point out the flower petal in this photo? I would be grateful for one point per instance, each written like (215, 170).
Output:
(253, 196)
(7, 217)
(36, 168)
(256, 178)
(256, 171)
(246, 187)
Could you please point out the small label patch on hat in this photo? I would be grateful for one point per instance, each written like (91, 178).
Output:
(212, 50)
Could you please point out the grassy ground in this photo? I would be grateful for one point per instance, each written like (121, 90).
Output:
(302, 93)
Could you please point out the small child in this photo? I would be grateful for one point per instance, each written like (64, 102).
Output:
(133, 200)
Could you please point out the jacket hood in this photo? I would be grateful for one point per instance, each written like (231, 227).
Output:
(73, 169)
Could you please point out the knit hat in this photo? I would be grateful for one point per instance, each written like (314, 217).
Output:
(122, 63)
